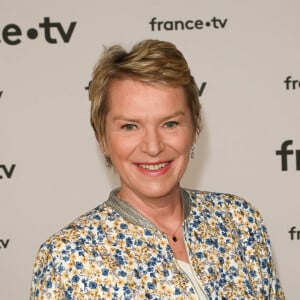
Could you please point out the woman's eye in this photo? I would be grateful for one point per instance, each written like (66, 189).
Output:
(171, 124)
(129, 126)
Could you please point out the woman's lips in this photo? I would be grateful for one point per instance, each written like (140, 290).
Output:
(154, 169)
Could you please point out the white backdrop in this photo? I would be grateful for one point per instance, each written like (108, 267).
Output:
(50, 168)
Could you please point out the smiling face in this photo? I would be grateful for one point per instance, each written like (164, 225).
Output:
(148, 137)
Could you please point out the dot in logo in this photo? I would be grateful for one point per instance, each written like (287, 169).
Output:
(207, 24)
(32, 33)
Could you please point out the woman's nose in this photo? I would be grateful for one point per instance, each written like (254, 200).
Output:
(152, 142)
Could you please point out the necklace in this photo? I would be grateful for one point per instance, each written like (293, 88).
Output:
(173, 235)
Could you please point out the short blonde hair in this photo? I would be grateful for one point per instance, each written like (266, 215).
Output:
(149, 61)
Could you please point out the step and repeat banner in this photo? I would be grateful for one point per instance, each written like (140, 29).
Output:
(245, 57)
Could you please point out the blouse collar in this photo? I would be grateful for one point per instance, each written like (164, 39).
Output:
(132, 215)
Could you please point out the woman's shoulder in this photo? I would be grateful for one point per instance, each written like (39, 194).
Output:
(80, 232)
(216, 197)
(220, 203)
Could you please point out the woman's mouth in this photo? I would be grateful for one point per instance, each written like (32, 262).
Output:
(153, 167)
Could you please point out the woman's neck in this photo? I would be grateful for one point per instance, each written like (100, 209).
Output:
(166, 212)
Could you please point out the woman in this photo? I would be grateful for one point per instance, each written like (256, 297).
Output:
(152, 239)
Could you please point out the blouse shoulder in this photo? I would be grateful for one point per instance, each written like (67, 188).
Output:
(223, 204)
(79, 231)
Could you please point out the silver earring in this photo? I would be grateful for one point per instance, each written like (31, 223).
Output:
(192, 154)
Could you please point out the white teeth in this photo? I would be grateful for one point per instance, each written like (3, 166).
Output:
(153, 167)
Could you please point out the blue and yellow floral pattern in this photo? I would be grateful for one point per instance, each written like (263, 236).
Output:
(112, 252)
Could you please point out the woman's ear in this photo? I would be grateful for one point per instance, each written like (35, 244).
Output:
(103, 148)
(102, 145)
(194, 140)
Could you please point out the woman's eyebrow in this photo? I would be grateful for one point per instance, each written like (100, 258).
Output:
(133, 119)
(173, 115)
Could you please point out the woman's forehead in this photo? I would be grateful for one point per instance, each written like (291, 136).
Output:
(131, 95)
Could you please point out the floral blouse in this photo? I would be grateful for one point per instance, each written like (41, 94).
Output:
(113, 252)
